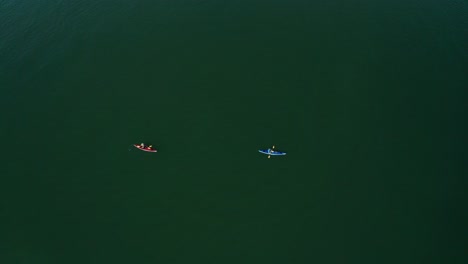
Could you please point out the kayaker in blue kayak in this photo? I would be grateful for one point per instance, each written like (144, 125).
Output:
(271, 152)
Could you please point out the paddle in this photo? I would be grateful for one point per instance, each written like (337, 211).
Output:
(271, 149)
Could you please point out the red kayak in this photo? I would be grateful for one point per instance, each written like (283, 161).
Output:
(145, 148)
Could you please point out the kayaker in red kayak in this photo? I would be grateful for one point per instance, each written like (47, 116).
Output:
(142, 146)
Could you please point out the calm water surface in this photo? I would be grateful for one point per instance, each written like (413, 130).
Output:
(367, 97)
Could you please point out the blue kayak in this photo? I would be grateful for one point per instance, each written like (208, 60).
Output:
(271, 152)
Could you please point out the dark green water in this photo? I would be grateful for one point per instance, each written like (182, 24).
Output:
(367, 97)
